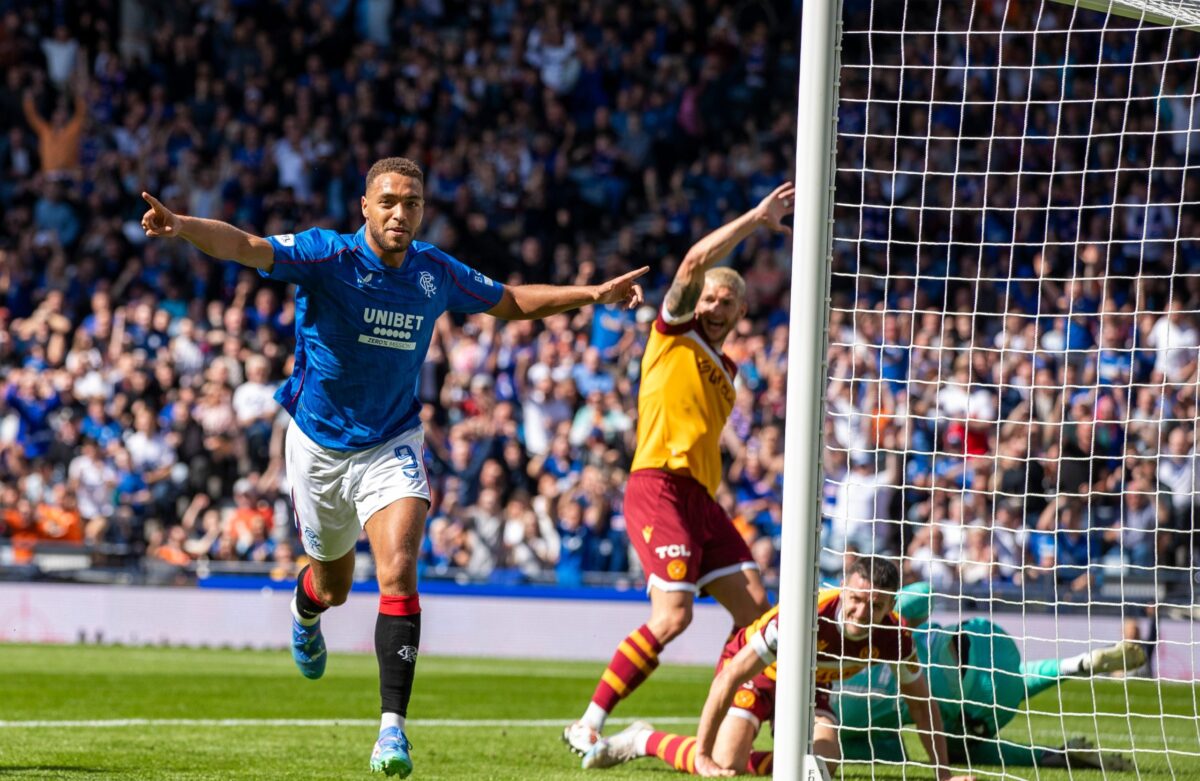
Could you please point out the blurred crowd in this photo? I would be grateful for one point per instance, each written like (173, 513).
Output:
(1014, 336)
(562, 143)
(1014, 405)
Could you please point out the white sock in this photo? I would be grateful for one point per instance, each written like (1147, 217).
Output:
(641, 741)
(301, 619)
(391, 720)
(595, 716)
(1075, 665)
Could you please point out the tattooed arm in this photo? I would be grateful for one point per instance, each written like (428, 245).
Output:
(689, 279)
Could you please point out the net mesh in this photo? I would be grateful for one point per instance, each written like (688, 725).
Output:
(1013, 343)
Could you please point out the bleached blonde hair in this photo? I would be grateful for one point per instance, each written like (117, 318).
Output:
(727, 277)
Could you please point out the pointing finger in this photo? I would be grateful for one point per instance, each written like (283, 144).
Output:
(154, 202)
(637, 272)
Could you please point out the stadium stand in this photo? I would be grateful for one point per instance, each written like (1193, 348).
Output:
(561, 143)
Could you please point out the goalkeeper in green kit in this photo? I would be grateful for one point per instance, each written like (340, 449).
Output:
(977, 678)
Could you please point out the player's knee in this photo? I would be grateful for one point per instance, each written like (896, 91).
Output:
(669, 624)
(333, 597)
(396, 576)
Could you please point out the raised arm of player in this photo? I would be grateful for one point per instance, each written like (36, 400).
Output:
(533, 302)
(742, 667)
(212, 237)
(689, 278)
(928, 719)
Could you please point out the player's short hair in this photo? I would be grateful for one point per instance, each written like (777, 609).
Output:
(878, 571)
(394, 165)
(727, 277)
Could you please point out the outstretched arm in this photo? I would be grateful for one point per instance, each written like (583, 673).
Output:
(35, 120)
(533, 302)
(928, 719)
(212, 237)
(689, 278)
(742, 667)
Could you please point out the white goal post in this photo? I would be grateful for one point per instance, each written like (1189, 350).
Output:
(995, 292)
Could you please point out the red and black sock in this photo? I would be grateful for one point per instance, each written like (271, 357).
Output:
(397, 638)
(307, 604)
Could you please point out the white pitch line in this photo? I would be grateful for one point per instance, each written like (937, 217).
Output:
(460, 723)
(1105, 738)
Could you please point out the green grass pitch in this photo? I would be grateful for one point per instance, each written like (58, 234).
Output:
(86, 684)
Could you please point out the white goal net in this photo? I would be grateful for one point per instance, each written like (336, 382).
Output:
(1010, 414)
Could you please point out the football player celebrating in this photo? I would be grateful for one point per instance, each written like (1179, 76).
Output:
(684, 540)
(366, 304)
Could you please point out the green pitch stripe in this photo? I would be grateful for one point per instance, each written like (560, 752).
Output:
(462, 723)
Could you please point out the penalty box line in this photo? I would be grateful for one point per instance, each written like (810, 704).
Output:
(454, 723)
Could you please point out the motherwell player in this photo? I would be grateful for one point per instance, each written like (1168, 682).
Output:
(684, 540)
(856, 628)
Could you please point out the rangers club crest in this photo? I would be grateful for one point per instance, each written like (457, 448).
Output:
(426, 281)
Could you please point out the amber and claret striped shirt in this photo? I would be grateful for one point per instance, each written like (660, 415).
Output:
(838, 657)
(686, 396)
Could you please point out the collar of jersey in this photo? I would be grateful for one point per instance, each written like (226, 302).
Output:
(373, 261)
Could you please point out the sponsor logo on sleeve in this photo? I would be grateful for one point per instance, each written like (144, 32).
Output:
(481, 278)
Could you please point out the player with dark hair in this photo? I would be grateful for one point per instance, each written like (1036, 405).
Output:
(683, 538)
(855, 630)
(366, 304)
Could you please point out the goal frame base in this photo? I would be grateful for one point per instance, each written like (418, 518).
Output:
(815, 768)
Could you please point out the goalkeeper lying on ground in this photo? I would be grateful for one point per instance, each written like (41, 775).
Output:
(977, 677)
(856, 628)
(870, 709)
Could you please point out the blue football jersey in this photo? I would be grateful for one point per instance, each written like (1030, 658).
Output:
(363, 329)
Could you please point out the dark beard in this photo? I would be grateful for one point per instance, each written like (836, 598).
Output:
(388, 245)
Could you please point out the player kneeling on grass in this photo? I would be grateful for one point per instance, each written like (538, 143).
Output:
(977, 677)
(855, 630)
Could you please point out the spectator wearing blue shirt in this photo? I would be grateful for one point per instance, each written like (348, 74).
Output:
(606, 548)
(366, 305)
(97, 425)
(33, 399)
(755, 491)
(131, 492)
(590, 375)
(609, 324)
(575, 541)
(894, 355)
(54, 215)
(1062, 545)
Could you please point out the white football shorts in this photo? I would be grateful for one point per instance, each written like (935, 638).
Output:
(335, 492)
